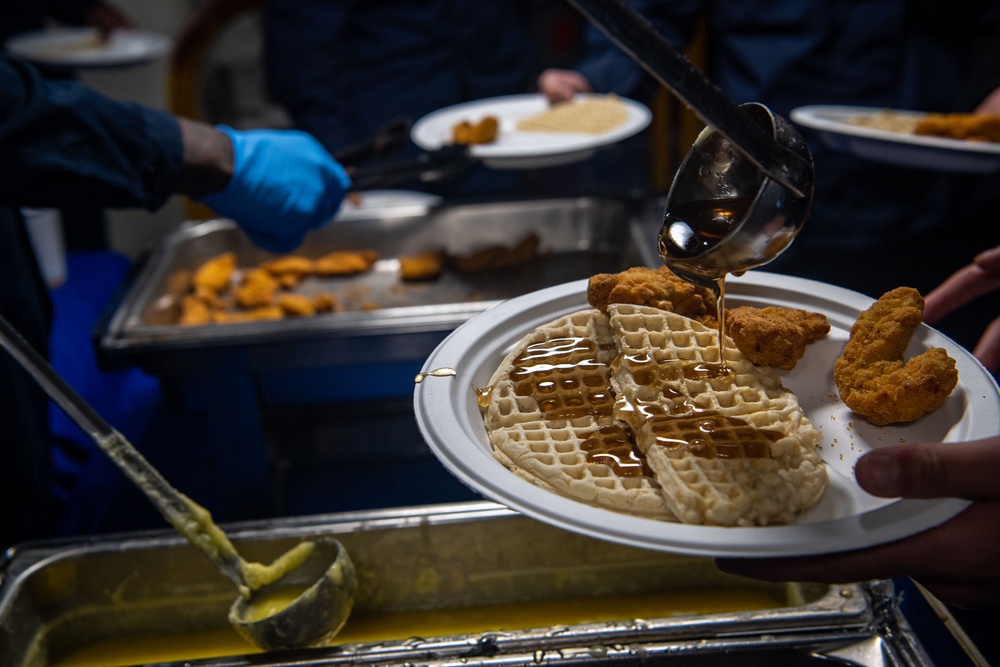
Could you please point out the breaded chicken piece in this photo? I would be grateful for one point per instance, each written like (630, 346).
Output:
(871, 375)
(257, 288)
(345, 262)
(262, 313)
(194, 311)
(215, 274)
(295, 265)
(774, 336)
(658, 288)
(968, 127)
(493, 257)
(326, 303)
(296, 305)
(425, 266)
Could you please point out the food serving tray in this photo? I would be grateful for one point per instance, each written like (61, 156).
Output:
(577, 238)
(57, 597)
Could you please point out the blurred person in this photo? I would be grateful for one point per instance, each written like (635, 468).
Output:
(24, 16)
(873, 226)
(63, 144)
(343, 69)
(84, 225)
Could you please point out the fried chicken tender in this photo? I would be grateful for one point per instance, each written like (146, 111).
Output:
(296, 305)
(346, 262)
(425, 266)
(482, 132)
(262, 313)
(495, 257)
(325, 302)
(257, 288)
(215, 274)
(871, 375)
(295, 265)
(969, 127)
(658, 288)
(774, 336)
(194, 311)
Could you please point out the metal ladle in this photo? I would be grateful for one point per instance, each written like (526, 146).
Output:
(749, 172)
(318, 573)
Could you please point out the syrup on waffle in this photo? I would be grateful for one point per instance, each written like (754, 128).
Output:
(728, 444)
(548, 410)
(636, 414)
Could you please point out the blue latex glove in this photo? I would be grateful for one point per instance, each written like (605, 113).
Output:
(284, 183)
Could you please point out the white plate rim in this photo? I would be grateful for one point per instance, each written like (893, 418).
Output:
(125, 47)
(833, 119)
(431, 131)
(457, 437)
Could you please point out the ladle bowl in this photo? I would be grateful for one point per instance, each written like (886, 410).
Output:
(723, 214)
(321, 590)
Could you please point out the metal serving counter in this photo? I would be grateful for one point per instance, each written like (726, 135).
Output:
(446, 569)
(332, 362)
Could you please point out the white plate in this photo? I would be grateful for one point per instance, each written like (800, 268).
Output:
(844, 518)
(522, 150)
(398, 201)
(907, 150)
(83, 48)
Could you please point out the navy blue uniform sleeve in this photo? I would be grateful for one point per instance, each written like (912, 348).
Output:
(611, 70)
(62, 143)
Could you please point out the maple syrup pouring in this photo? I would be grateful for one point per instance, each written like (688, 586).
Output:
(689, 231)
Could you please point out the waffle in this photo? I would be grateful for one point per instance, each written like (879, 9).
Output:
(591, 115)
(726, 451)
(549, 415)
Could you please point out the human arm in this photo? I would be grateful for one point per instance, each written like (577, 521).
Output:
(65, 143)
(958, 561)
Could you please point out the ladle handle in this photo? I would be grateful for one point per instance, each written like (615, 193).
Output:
(172, 504)
(639, 39)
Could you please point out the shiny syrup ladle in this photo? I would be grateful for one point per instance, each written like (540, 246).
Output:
(318, 574)
(748, 159)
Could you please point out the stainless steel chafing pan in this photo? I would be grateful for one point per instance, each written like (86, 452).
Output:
(578, 237)
(55, 597)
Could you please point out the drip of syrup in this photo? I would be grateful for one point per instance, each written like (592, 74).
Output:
(689, 231)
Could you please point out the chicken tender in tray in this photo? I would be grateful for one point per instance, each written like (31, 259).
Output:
(873, 378)
(656, 288)
(775, 336)
(345, 262)
(425, 266)
(215, 274)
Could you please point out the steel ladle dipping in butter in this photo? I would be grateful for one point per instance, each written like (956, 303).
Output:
(318, 573)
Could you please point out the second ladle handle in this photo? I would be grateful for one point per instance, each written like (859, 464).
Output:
(190, 520)
(637, 37)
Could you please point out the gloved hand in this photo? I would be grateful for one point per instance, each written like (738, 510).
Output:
(284, 184)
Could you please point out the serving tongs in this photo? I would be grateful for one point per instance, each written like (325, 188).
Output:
(444, 164)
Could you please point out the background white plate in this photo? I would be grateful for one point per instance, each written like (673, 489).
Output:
(82, 47)
(845, 518)
(522, 150)
(907, 150)
(406, 202)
